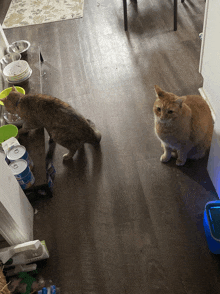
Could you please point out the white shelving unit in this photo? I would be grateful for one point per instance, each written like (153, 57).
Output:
(16, 212)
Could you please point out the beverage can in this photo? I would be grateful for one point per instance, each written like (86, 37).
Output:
(19, 152)
(22, 173)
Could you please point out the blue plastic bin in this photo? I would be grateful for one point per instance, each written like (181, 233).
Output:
(211, 222)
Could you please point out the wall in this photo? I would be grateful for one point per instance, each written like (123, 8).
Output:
(210, 70)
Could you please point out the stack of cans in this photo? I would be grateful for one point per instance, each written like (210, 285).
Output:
(20, 163)
(19, 152)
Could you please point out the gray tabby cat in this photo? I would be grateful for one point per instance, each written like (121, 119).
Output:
(64, 124)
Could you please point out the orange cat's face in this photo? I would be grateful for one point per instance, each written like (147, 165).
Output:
(167, 106)
(166, 111)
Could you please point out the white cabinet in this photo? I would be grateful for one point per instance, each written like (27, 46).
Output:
(210, 70)
(16, 212)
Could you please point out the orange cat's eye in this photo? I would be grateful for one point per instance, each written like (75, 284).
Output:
(159, 109)
(170, 111)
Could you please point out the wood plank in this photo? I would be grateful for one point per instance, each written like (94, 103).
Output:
(120, 221)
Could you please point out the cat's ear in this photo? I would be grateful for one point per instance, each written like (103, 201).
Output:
(14, 89)
(159, 92)
(180, 101)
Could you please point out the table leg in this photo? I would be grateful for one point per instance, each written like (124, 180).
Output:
(125, 15)
(175, 15)
(41, 57)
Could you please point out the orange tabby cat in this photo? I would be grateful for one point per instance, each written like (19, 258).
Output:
(184, 125)
(64, 124)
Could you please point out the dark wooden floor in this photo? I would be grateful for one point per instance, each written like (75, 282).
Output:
(120, 221)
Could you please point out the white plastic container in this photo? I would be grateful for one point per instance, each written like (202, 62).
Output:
(6, 145)
(24, 253)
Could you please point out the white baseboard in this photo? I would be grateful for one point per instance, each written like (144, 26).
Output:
(203, 94)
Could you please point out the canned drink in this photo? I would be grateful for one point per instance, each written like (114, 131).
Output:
(19, 152)
(22, 173)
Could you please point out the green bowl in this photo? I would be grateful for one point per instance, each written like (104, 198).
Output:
(5, 92)
(8, 131)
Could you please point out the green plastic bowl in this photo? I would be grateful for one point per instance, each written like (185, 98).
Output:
(5, 92)
(8, 131)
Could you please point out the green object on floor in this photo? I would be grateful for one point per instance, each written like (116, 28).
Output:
(8, 131)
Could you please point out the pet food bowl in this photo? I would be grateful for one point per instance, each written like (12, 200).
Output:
(12, 118)
(10, 57)
(17, 71)
(6, 92)
(19, 46)
(8, 117)
(8, 131)
(211, 222)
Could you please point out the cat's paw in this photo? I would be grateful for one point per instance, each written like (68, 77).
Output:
(22, 131)
(180, 162)
(98, 137)
(67, 156)
(174, 154)
(164, 158)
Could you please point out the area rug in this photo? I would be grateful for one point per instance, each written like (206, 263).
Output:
(32, 12)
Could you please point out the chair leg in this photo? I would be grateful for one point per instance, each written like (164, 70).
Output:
(175, 15)
(125, 15)
(41, 57)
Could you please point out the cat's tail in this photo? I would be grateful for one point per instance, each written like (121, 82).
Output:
(97, 135)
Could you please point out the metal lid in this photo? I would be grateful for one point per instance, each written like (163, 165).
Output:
(16, 152)
(18, 166)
